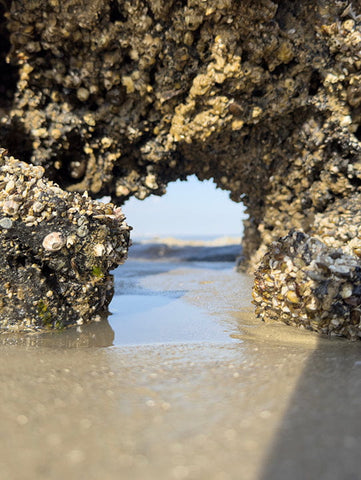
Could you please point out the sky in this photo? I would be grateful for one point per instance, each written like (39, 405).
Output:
(189, 208)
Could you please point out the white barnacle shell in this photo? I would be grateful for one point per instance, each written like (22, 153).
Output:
(99, 250)
(119, 214)
(11, 207)
(38, 207)
(70, 241)
(54, 241)
(109, 248)
(6, 223)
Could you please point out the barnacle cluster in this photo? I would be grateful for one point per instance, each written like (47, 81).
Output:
(302, 281)
(121, 97)
(57, 249)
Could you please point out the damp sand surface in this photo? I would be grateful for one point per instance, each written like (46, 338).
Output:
(182, 382)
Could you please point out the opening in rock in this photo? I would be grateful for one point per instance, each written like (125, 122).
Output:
(190, 209)
(185, 246)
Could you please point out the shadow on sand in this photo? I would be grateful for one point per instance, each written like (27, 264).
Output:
(320, 434)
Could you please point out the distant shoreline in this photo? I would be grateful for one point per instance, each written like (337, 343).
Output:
(190, 240)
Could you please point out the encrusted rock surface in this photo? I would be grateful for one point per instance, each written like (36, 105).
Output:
(56, 248)
(303, 282)
(121, 97)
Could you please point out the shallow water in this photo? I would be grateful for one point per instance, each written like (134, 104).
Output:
(182, 382)
(149, 307)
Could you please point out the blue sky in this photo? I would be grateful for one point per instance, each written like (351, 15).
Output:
(188, 208)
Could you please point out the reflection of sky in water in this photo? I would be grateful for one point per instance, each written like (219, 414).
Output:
(149, 319)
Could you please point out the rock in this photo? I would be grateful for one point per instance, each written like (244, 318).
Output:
(50, 275)
(303, 282)
(324, 268)
(123, 97)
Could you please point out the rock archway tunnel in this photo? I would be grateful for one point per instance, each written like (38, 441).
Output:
(120, 97)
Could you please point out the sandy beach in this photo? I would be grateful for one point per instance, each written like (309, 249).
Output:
(181, 382)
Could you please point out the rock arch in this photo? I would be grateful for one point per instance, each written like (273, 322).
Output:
(120, 97)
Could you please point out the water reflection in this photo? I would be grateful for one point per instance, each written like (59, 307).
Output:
(161, 319)
(96, 334)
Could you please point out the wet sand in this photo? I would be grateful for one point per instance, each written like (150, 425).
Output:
(203, 391)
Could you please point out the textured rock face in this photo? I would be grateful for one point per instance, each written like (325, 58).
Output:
(57, 249)
(303, 282)
(121, 97)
